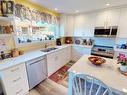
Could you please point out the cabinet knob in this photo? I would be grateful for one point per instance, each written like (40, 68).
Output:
(56, 58)
(17, 79)
(15, 69)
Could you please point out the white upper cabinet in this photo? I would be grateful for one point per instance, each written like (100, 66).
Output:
(84, 25)
(108, 18)
(113, 17)
(62, 25)
(67, 25)
(101, 19)
(122, 30)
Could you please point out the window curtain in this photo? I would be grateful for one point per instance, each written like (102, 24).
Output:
(24, 12)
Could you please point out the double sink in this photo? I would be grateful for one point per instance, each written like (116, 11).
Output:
(49, 49)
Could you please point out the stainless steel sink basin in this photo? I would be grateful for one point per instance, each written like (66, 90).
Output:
(48, 49)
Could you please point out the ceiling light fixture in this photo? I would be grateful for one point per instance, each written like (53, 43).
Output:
(77, 11)
(56, 9)
(107, 4)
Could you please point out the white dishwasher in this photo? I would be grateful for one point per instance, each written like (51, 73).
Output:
(36, 71)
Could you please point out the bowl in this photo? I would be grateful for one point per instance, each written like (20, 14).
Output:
(97, 60)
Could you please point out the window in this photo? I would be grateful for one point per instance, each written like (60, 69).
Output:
(36, 31)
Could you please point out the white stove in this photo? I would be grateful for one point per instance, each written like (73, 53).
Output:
(104, 51)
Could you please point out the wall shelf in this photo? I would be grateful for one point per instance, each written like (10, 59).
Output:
(6, 35)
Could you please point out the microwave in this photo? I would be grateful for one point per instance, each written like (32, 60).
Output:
(105, 32)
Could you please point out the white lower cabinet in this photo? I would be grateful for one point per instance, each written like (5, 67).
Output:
(14, 80)
(58, 59)
(79, 51)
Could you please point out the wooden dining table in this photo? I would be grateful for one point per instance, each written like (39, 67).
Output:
(107, 73)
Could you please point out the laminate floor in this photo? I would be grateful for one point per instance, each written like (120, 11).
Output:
(49, 87)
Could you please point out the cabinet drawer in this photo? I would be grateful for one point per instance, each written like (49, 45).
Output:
(20, 88)
(15, 80)
(14, 71)
(16, 86)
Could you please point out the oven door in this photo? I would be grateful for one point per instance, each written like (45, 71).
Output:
(97, 53)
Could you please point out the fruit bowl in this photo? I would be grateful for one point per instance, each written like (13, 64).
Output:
(97, 60)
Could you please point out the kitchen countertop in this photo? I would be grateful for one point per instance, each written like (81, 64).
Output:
(120, 50)
(108, 73)
(4, 64)
(85, 46)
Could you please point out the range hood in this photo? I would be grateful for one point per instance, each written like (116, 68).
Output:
(105, 32)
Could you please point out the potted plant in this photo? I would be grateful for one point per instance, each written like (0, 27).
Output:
(123, 61)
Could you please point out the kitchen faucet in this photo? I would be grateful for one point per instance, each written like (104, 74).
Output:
(46, 45)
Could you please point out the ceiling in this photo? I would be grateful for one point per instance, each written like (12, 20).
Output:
(70, 6)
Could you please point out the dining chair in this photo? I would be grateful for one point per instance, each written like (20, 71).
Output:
(81, 84)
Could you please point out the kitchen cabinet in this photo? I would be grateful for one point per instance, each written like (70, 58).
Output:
(79, 51)
(108, 18)
(122, 30)
(68, 53)
(84, 25)
(14, 80)
(66, 25)
(58, 59)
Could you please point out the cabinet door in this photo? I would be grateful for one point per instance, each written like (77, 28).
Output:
(68, 54)
(122, 31)
(79, 25)
(69, 25)
(61, 58)
(84, 25)
(52, 61)
(101, 19)
(15, 80)
(108, 18)
(75, 54)
(62, 25)
(79, 51)
(64, 57)
(113, 17)
(58, 59)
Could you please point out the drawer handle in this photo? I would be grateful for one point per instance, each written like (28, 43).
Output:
(17, 79)
(56, 58)
(13, 70)
(19, 91)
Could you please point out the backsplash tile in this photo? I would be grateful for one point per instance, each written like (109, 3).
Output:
(104, 41)
(121, 41)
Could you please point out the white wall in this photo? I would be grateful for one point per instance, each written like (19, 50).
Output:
(104, 41)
